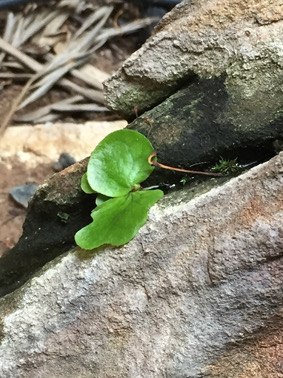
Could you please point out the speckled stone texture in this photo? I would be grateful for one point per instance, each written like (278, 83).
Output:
(205, 39)
(197, 293)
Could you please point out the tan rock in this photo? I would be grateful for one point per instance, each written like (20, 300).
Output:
(50, 140)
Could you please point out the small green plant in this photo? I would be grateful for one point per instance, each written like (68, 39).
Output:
(117, 166)
(64, 217)
(227, 167)
(184, 180)
(115, 170)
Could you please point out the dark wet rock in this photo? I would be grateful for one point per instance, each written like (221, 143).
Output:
(197, 293)
(58, 209)
(202, 122)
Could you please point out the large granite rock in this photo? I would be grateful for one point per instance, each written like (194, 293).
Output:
(197, 293)
(205, 39)
(228, 60)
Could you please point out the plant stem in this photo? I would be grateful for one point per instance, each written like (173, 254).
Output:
(156, 164)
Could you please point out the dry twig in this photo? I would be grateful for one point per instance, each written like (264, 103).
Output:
(44, 26)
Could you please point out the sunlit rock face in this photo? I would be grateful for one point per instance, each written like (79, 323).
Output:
(205, 39)
(198, 292)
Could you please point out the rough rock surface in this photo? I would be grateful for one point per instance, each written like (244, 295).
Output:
(205, 39)
(190, 127)
(56, 212)
(197, 293)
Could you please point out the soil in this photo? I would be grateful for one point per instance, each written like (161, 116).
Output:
(14, 172)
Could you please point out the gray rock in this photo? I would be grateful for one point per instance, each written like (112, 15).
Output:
(206, 39)
(197, 293)
(64, 161)
(227, 59)
(23, 193)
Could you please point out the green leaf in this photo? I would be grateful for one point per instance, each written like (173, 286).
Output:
(117, 220)
(119, 162)
(100, 199)
(85, 185)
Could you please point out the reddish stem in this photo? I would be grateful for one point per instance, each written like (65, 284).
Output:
(149, 123)
(156, 164)
(136, 110)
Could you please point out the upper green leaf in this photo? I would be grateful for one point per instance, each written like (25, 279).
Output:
(117, 220)
(119, 162)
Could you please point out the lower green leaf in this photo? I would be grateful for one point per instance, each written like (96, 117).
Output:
(85, 185)
(117, 220)
(100, 199)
